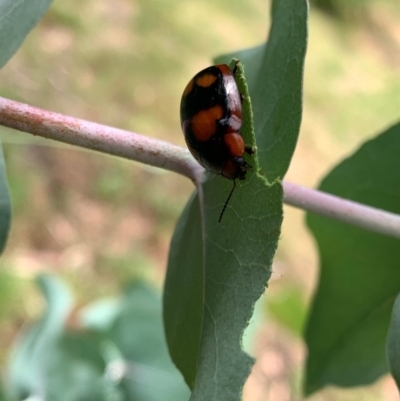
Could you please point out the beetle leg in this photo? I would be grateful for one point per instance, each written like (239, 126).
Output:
(235, 67)
(250, 150)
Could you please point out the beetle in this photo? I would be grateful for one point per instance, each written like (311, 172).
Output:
(211, 118)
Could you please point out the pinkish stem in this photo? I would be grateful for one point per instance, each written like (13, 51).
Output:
(98, 137)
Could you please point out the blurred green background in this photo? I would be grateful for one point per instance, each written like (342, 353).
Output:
(98, 221)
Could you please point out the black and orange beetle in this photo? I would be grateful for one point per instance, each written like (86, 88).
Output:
(211, 117)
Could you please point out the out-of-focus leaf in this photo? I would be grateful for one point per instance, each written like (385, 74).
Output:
(360, 274)
(101, 315)
(289, 309)
(17, 18)
(138, 333)
(393, 342)
(5, 204)
(29, 356)
(75, 370)
(50, 364)
(120, 356)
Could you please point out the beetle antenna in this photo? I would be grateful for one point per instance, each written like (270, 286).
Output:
(227, 201)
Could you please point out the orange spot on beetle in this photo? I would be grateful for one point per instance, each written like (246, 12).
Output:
(206, 80)
(205, 121)
(235, 143)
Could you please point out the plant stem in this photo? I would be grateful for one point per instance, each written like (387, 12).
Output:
(357, 214)
(102, 138)
(157, 153)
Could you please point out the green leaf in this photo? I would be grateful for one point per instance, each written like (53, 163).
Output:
(208, 305)
(216, 272)
(100, 315)
(393, 342)
(274, 73)
(251, 59)
(122, 356)
(76, 365)
(138, 334)
(212, 285)
(277, 93)
(17, 18)
(360, 275)
(3, 396)
(30, 354)
(289, 309)
(5, 204)
(183, 292)
(47, 359)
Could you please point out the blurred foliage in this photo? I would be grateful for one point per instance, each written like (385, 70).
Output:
(348, 9)
(350, 313)
(289, 309)
(112, 350)
(16, 20)
(343, 8)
